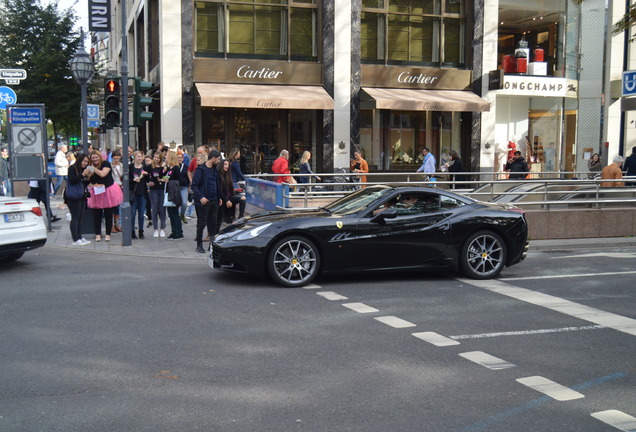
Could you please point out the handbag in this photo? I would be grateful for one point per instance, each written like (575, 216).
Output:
(75, 191)
(166, 199)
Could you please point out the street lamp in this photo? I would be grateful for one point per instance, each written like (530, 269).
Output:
(83, 70)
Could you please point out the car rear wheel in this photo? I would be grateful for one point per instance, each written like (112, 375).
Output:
(293, 261)
(483, 255)
(5, 259)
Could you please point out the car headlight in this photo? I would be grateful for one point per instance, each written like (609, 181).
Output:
(251, 233)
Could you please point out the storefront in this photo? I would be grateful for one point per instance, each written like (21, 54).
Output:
(404, 109)
(261, 107)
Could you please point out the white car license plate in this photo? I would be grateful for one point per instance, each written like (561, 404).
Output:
(14, 217)
(210, 257)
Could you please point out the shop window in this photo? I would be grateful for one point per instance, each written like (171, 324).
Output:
(541, 34)
(273, 29)
(429, 32)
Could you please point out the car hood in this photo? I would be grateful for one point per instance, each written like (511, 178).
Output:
(276, 216)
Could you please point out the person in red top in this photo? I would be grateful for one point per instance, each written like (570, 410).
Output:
(281, 166)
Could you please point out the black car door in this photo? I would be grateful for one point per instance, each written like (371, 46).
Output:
(414, 235)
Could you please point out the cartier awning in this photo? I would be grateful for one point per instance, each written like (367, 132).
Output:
(422, 100)
(264, 96)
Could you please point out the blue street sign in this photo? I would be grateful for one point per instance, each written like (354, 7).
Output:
(30, 116)
(629, 83)
(92, 111)
(7, 97)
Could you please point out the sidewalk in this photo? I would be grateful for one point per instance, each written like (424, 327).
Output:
(60, 237)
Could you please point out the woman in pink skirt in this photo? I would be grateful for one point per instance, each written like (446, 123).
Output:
(105, 194)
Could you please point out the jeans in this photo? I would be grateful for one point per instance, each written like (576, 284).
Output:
(58, 183)
(206, 216)
(138, 207)
(76, 207)
(175, 222)
(184, 200)
(158, 210)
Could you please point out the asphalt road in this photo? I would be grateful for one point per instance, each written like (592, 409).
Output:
(94, 342)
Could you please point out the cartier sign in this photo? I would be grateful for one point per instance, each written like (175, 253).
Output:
(256, 72)
(415, 77)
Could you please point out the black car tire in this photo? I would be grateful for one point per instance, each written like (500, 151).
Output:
(5, 259)
(483, 255)
(293, 261)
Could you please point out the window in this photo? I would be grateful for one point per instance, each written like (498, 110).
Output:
(426, 32)
(450, 202)
(267, 29)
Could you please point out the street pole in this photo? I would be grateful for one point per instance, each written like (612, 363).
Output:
(84, 96)
(126, 210)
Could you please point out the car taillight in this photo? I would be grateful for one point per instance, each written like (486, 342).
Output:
(36, 211)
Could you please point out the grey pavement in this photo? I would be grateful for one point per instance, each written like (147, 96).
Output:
(60, 237)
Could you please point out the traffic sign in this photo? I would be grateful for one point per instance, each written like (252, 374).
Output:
(27, 131)
(92, 111)
(13, 76)
(629, 83)
(7, 97)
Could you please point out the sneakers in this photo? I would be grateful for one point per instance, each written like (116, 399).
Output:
(162, 233)
(200, 249)
(84, 241)
(156, 234)
(78, 243)
(149, 224)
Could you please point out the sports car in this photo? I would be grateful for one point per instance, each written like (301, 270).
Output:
(376, 228)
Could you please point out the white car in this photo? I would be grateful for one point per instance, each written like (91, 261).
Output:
(22, 227)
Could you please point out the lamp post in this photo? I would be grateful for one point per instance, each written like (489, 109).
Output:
(83, 70)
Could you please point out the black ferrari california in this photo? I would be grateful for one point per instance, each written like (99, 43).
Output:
(376, 228)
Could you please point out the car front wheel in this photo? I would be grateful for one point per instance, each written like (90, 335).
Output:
(483, 255)
(293, 261)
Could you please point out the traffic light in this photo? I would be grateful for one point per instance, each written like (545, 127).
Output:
(112, 101)
(141, 100)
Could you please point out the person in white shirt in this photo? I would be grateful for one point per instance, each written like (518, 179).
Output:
(61, 167)
(428, 164)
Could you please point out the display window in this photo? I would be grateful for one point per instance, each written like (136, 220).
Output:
(535, 38)
(261, 134)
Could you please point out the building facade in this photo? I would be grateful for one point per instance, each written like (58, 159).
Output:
(387, 77)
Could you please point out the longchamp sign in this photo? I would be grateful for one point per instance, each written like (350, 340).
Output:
(523, 85)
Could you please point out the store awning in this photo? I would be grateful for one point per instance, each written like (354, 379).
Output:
(422, 100)
(264, 96)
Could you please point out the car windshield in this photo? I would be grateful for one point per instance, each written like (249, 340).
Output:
(359, 200)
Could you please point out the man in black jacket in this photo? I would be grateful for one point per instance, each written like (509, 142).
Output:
(517, 165)
(207, 199)
(630, 166)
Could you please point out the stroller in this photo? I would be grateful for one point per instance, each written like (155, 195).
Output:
(342, 177)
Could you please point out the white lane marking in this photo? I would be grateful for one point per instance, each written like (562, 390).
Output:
(598, 254)
(330, 295)
(394, 322)
(585, 313)
(525, 332)
(486, 360)
(360, 307)
(564, 276)
(311, 286)
(550, 388)
(435, 339)
(618, 419)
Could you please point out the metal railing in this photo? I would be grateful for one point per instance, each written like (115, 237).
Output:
(544, 190)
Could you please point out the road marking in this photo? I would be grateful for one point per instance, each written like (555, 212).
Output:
(360, 307)
(311, 286)
(563, 276)
(525, 332)
(435, 339)
(486, 360)
(618, 419)
(585, 313)
(485, 424)
(597, 254)
(394, 322)
(550, 388)
(330, 295)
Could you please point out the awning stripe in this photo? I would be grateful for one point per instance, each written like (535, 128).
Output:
(425, 100)
(264, 96)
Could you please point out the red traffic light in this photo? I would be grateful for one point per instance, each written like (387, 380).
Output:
(112, 86)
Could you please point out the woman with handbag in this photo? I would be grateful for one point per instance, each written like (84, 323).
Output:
(227, 211)
(172, 197)
(105, 194)
(138, 183)
(75, 197)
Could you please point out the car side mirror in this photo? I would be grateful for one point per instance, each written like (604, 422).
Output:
(386, 214)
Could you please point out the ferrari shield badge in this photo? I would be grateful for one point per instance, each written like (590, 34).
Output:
(339, 224)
